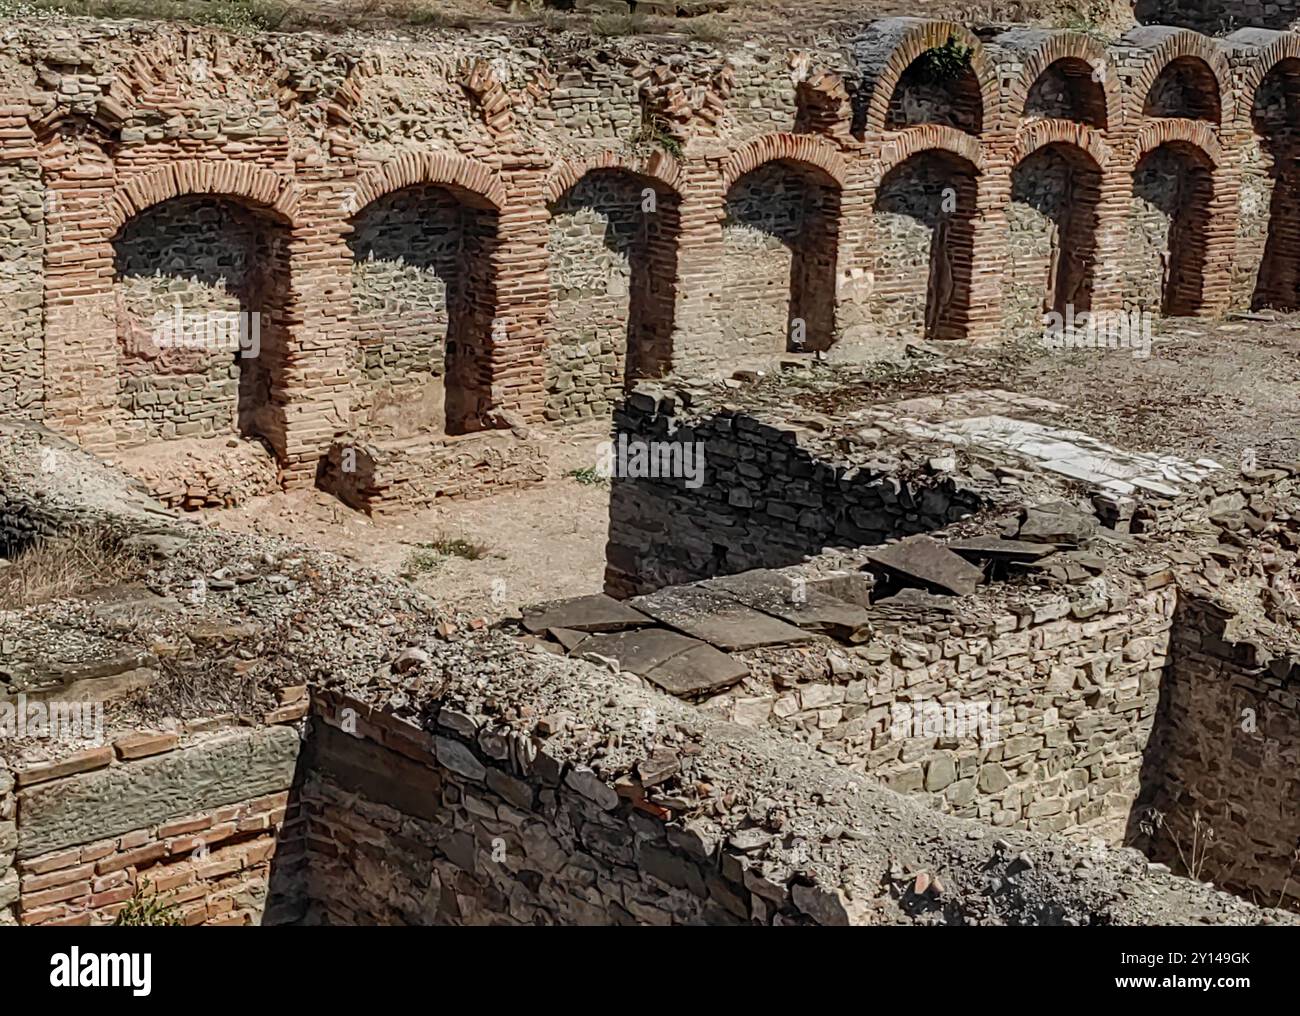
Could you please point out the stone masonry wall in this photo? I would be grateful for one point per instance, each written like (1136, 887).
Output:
(763, 500)
(465, 828)
(407, 253)
(198, 822)
(1071, 685)
(177, 264)
(305, 134)
(1222, 770)
(22, 243)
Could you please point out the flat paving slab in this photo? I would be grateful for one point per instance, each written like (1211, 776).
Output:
(796, 602)
(677, 663)
(595, 613)
(717, 618)
(925, 562)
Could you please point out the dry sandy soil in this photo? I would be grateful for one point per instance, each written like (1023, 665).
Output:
(537, 544)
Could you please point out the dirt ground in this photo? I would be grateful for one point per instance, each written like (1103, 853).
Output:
(541, 543)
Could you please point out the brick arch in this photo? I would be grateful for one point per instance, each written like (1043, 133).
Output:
(1194, 133)
(930, 137)
(224, 178)
(909, 44)
(1285, 47)
(1034, 136)
(1176, 44)
(659, 167)
(476, 183)
(803, 150)
(1067, 46)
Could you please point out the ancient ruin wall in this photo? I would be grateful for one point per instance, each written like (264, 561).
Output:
(1070, 683)
(1220, 778)
(621, 209)
(198, 821)
(760, 499)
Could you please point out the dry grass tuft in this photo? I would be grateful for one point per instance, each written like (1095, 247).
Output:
(61, 567)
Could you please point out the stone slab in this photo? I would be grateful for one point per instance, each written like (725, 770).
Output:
(803, 605)
(927, 563)
(717, 619)
(701, 670)
(108, 802)
(595, 613)
(642, 650)
(994, 548)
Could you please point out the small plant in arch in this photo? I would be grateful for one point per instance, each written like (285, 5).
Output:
(942, 64)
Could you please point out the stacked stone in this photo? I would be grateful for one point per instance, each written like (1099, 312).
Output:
(1071, 686)
(8, 847)
(766, 498)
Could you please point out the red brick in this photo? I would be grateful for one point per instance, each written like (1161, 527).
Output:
(188, 825)
(81, 762)
(144, 744)
(61, 894)
(64, 876)
(120, 895)
(50, 862)
(132, 858)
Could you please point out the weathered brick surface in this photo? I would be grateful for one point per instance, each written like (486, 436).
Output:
(92, 806)
(531, 232)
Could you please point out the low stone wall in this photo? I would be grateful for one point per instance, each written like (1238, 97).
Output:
(1026, 711)
(416, 474)
(1222, 767)
(493, 830)
(197, 823)
(8, 848)
(761, 499)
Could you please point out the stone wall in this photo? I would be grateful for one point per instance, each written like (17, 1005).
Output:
(198, 822)
(22, 243)
(1060, 692)
(761, 500)
(803, 187)
(1221, 771)
(493, 831)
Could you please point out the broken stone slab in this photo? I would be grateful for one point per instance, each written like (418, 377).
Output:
(717, 619)
(996, 548)
(569, 638)
(641, 650)
(595, 613)
(794, 600)
(1057, 522)
(920, 561)
(677, 663)
(701, 670)
(911, 601)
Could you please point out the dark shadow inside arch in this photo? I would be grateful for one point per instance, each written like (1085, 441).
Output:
(1186, 87)
(1176, 179)
(1062, 186)
(202, 292)
(424, 300)
(934, 193)
(1067, 89)
(937, 88)
(1276, 119)
(794, 208)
